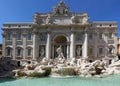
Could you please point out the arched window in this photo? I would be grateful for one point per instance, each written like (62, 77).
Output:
(29, 51)
(19, 51)
(8, 51)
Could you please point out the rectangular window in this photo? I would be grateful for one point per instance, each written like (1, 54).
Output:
(90, 50)
(91, 36)
(100, 35)
(19, 36)
(110, 35)
(8, 52)
(9, 36)
(100, 50)
(29, 36)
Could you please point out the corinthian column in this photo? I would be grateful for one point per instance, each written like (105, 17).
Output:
(24, 45)
(48, 46)
(14, 45)
(68, 51)
(85, 45)
(34, 46)
(72, 45)
(3, 44)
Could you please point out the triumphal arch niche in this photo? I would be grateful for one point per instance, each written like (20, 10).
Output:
(60, 28)
(60, 40)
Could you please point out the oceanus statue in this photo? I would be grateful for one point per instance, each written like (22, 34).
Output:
(60, 53)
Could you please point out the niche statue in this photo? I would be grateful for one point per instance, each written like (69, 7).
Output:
(60, 53)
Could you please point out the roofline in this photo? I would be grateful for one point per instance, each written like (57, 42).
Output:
(105, 22)
(18, 23)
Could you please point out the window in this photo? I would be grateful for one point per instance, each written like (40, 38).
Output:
(111, 50)
(19, 36)
(8, 51)
(29, 36)
(100, 35)
(90, 50)
(19, 52)
(29, 51)
(100, 50)
(91, 36)
(110, 35)
(8, 36)
(110, 25)
(100, 25)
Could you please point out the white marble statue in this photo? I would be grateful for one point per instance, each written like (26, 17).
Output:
(49, 19)
(42, 52)
(85, 20)
(73, 19)
(60, 53)
(78, 51)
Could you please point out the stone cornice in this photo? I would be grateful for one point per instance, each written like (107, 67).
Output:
(61, 26)
(104, 27)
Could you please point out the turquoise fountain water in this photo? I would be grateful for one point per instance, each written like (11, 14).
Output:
(71, 81)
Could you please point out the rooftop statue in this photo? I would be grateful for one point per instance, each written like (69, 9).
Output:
(49, 20)
(61, 9)
(73, 19)
(85, 20)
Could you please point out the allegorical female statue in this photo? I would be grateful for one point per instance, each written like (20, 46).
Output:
(42, 52)
(78, 51)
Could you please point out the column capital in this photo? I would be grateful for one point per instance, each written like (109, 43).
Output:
(3, 34)
(48, 32)
(14, 34)
(24, 34)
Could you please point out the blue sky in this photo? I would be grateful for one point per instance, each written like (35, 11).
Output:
(23, 10)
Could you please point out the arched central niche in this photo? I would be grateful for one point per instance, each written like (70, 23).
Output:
(60, 39)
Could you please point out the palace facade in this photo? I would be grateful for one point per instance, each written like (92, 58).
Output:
(78, 37)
